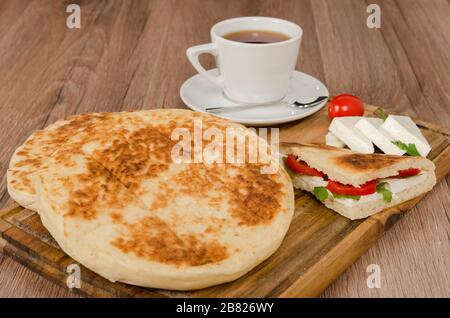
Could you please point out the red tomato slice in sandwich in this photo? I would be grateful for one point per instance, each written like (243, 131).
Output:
(301, 167)
(408, 172)
(339, 188)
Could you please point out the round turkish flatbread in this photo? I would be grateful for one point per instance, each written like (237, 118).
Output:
(117, 200)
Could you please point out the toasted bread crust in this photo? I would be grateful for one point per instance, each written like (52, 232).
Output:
(365, 162)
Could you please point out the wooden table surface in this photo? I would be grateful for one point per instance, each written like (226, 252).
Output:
(131, 55)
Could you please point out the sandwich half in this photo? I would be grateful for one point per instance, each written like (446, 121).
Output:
(357, 185)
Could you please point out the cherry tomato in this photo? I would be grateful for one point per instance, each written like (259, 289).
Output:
(345, 105)
(339, 188)
(301, 167)
(408, 172)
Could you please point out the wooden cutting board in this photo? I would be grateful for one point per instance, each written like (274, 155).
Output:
(318, 247)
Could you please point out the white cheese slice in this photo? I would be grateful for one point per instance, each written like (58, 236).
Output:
(363, 199)
(369, 127)
(402, 128)
(344, 129)
(397, 185)
(315, 181)
(308, 182)
(332, 140)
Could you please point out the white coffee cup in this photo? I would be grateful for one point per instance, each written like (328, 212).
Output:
(251, 73)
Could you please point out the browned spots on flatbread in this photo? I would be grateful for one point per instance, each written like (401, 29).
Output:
(22, 182)
(197, 179)
(358, 162)
(50, 139)
(133, 157)
(116, 217)
(77, 123)
(216, 225)
(83, 203)
(22, 152)
(165, 194)
(255, 197)
(194, 180)
(98, 190)
(69, 134)
(152, 239)
(33, 162)
(66, 156)
(211, 229)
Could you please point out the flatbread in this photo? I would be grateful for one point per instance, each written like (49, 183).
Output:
(73, 132)
(115, 201)
(90, 131)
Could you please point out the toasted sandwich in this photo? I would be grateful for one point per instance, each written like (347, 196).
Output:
(357, 185)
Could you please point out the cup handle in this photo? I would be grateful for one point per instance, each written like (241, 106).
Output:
(194, 52)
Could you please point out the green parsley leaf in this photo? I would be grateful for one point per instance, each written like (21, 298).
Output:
(321, 193)
(346, 196)
(410, 149)
(401, 145)
(379, 112)
(387, 194)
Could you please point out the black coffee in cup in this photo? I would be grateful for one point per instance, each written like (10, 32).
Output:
(256, 36)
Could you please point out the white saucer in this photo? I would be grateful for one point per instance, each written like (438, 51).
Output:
(198, 93)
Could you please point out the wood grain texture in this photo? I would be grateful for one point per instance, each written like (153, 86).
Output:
(130, 55)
